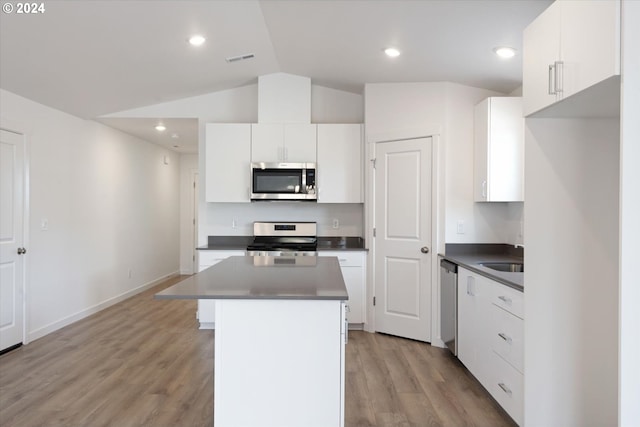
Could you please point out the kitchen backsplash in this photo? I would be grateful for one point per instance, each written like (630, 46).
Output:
(236, 219)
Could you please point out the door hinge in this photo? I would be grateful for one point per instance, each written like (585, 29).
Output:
(374, 300)
(194, 221)
(374, 232)
(194, 184)
(373, 163)
(194, 258)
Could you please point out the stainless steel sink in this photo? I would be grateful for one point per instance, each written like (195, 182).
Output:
(509, 267)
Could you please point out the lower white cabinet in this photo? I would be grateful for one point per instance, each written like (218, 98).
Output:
(491, 338)
(206, 313)
(353, 267)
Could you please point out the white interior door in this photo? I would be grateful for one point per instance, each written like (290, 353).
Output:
(403, 238)
(11, 238)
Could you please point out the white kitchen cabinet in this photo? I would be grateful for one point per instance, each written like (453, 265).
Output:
(339, 177)
(353, 267)
(571, 46)
(206, 313)
(491, 338)
(499, 150)
(276, 143)
(506, 385)
(279, 362)
(472, 308)
(227, 162)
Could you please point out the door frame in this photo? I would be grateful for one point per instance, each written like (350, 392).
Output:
(437, 244)
(195, 179)
(24, 130)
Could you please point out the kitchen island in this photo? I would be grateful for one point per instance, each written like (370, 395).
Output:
(279, 339)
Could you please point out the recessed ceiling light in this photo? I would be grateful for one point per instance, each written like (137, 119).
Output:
(197, 40)
(160, 127)
(392, 52)
(505, 52)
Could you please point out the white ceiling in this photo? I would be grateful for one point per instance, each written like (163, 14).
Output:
(91, 58)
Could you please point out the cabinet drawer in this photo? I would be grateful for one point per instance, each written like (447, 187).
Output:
(506, 385)
(346, 259)
(508, 299)
(506, 334)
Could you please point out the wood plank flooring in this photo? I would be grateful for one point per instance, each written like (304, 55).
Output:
(143, 362)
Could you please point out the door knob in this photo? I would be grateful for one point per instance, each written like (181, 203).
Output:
(22, 251)
(424, 250)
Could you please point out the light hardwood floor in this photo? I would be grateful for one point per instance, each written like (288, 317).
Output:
(143, 362)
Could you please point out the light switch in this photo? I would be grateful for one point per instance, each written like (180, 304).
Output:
(460, 227)
(44, 224)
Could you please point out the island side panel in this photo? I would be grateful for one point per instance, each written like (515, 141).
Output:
(279, 363)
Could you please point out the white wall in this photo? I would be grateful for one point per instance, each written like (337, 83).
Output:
(571, 295)
(111, 204)
(393, 108)
(240, 105)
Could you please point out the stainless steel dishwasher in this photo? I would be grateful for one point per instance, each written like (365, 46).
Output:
(449, 304)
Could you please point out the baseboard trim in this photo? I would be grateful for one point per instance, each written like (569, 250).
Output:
(52, 327)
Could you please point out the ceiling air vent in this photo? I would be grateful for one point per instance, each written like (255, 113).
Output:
(240, 57)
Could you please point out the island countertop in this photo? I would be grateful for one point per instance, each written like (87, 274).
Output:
(264, 277)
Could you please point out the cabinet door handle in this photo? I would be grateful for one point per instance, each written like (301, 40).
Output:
(505, 337)
(506, 300)
(552, 83)
(470, 290)
(484, 189)
(557, 71)
(505, 388)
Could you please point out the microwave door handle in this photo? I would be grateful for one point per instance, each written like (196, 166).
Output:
(303, 180)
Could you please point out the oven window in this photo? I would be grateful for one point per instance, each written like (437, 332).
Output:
(277, 180)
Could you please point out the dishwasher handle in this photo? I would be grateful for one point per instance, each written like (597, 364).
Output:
(449, 266)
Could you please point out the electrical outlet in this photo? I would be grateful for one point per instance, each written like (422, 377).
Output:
(460, 227)
(336, 223)
(234, 224)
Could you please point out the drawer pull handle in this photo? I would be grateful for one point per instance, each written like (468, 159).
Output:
(506, 300)
(505, 337)
(505, 389)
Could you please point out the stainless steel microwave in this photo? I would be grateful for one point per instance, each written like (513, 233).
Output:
(283, 181)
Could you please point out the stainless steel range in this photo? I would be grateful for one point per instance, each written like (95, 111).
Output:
(284, 239)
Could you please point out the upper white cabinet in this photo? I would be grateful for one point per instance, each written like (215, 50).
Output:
(499, 150)
(570, 47)
(339, 177)
(227, 162)
(277, 142)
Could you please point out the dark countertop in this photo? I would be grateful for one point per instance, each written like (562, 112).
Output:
(470, 259)
(341, 244)
(261, 277)
(240, 243)
(226, 243)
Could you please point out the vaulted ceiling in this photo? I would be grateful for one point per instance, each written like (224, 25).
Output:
(91, 58)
